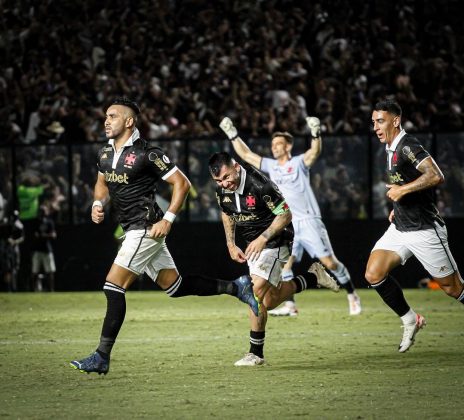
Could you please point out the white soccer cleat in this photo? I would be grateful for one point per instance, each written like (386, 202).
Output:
(314, 125)
(323, 278)
(287, 309)
(228, 127)
(409, 333)
(354, 303)
(250, 359)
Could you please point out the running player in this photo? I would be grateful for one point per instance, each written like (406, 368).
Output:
(416, 227)
(254, 205)
(128, 170)
(291, 174)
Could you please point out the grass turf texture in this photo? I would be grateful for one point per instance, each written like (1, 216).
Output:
(174, 359)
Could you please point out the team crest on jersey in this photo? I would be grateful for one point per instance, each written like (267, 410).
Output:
(290, 169)
(227, 200)
(129, 160)
(250, 201)
(409, 154)
(395, 159)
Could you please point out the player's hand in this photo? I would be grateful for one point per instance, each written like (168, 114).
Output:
(254, 248)
(395, 192)
(391, 216)
(237, 254)
(314, 125)
(228, 127)
(98, 214)
(287, 275)
(160, 229)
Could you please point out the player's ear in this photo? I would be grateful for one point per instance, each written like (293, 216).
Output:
(129, 122)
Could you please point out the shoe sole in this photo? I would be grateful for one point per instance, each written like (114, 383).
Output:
(84, 371)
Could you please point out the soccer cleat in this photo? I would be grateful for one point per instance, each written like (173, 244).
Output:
(314, 125)
(288, 309)
(409, 333)
(323, 278)
(354, 303)
(93, 363)
(250, 359)
(245, 293)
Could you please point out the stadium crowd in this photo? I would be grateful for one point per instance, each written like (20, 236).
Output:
(267, 64)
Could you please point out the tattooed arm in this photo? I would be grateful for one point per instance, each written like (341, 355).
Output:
(431, 176)
(255, 247)
(229, 228)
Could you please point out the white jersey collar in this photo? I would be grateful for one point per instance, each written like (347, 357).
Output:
(130, 141)
(242, 181)
(395, 142)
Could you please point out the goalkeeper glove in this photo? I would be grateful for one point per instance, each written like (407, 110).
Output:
(314, 125)
(228, 127)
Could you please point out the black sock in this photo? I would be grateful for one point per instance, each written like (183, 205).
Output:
(257, 343)
(460, 298)
(197, 285)
(115, 313)
(349, 287)
(305, 281)
(392, 294)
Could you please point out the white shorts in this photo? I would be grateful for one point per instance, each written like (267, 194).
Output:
(311, 236)
(45, 260)
(141, 254)
(429, 246)
(269, 264)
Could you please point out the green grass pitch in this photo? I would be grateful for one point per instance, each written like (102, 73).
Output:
(174, 359)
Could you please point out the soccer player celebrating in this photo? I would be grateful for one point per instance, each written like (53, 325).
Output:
(291, 174)
(128, 170)
(416, 227)
(254, 205)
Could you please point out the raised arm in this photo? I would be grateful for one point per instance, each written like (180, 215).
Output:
(313, 153)
(238, 144)
(431, 176)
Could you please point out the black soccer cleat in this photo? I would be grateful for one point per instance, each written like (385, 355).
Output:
(93, 363)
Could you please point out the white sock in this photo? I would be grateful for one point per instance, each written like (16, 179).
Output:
(409, 317)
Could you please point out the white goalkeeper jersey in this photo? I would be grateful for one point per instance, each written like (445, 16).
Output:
(292, 178)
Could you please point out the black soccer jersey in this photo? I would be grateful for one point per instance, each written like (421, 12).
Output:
(254, 206)
(131, 176)
(417, 210)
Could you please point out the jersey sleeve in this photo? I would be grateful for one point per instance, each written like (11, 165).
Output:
(413, 151)
(159, 163)
(266, 165)
(274, 199)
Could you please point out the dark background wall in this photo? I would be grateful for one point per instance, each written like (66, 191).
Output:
(85, 253)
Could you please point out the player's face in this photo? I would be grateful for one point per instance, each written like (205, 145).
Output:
(279, 147)
(115, 122)
(386, 126)
(229, 177)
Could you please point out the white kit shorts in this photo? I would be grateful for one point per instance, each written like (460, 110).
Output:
(429, 246)
(141, 254)
(269, 264)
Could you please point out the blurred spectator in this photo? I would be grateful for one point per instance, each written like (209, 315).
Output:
(270, 63)
(43, 260)
(12, 236)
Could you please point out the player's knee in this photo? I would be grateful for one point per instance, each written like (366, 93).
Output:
(374, 276)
